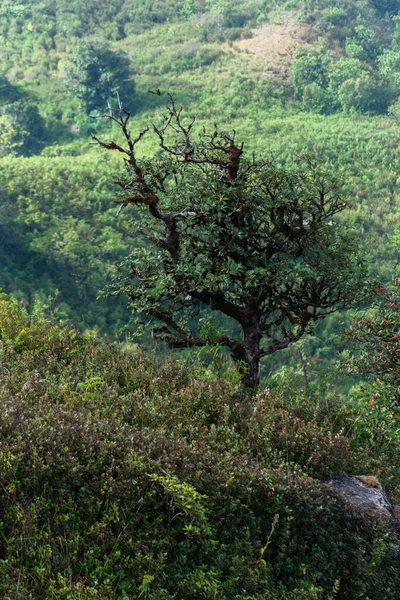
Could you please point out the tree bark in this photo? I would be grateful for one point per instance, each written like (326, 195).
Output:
(251, 354)
(251, 374)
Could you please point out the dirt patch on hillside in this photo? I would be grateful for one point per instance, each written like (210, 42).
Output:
(272, 45)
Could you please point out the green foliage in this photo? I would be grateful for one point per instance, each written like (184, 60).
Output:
(118, 18)
(374, 339)
(11, 136)
(8, 8)
(96, 73)
(58, 232)
(389, 66)
(367, 38)
(22, 127)
(8, 93)
(309, 67)
(347, 84)
(383, 6)
(123, 477)
(364, 94)
(319, 99)
(256, 243)
(192, 56)
(344, 69)
(213, 80)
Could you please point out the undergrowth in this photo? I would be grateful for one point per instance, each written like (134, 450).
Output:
(123, 477)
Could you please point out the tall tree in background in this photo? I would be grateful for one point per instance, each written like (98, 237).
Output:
(386, 6)
(95, 73)
(244, 238)
(22, 128)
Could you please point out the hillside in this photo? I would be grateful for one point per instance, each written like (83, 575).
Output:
(127, 478)
(129, 470)
(273, 73)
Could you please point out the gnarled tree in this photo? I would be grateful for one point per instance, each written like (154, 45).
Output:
(245, 238)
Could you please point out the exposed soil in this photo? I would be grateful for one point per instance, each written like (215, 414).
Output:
(272, 45)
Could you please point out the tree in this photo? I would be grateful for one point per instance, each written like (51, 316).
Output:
(383, 6)
(11, 136)
(389, 67)
(366, 94)
(22, 128)
(310, 67)
(247, 239)
(96, 73)
(374, 342)
(8, 92)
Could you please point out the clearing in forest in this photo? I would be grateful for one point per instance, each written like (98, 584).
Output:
(272, 45)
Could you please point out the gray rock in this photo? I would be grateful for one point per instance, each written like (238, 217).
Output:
(365, 493)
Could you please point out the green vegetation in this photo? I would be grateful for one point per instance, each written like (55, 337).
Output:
(252, 242)
(125, 478)
(374, 338)
(96, 73)
(57, 234)
(22, 128)
(194, 50)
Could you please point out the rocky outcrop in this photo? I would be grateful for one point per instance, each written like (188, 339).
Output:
(365, 493)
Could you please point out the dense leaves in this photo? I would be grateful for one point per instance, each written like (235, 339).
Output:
(253, 242)
(122, 477)
(58, 238)
(22, 128)
(96, 73)
(375, 341)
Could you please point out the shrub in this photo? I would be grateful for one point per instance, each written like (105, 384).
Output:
(374, 340)
(309, 67)
(364, 94)
(123, 477)
(318, 99)
(193, 55)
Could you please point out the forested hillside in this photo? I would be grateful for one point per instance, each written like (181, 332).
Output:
(289, 78)
(129, 470)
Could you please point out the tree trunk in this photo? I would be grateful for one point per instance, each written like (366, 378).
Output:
(251, 355)
(250, 374)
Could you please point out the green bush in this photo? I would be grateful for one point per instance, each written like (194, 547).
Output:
(123, 477)
(96, 73)
(22, 128)
(309, 67)
(335, 16)
(389, 67)
(364, 94)
(193, 55)
(383, 6)
(319, 99)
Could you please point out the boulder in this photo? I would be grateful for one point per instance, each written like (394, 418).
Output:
(365, 493)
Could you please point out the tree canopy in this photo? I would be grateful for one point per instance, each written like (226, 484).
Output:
(95, 73)
(22, 128)
(244, 238)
